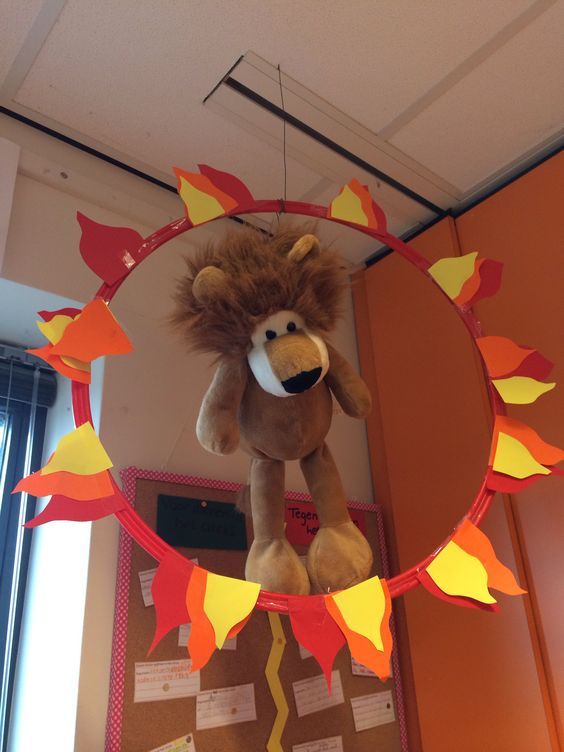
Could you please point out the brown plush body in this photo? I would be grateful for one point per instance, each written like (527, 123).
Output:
(262, 304)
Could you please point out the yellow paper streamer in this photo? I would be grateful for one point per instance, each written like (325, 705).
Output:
(451, 273)
(348, 206)
(274, 684)
(201, 206)
(227, 602)
(458, 573)
(513, 458)
(80, 452)
(521, 390)
(362, 607)
(53, 330)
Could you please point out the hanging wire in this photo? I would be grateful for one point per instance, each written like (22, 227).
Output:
(283, 129)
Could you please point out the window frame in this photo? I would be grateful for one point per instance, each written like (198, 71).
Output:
(25, 421)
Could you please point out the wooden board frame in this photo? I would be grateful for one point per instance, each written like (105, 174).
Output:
(131, 637)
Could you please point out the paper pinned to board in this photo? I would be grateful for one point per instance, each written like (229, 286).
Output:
(225, 706)
(331, 744)
(312, 695)
(357, 669)
(184, 635)
(146, 581)
(165, 680)
(373, 710)
(182, 744)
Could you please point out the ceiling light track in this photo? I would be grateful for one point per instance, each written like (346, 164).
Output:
(266, 104)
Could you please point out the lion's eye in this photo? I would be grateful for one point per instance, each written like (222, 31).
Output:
(291, 326)
(270, 334)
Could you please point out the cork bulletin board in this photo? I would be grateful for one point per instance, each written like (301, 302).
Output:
(144, 726)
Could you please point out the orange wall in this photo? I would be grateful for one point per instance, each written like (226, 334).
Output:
(479, 680)
(523, 226)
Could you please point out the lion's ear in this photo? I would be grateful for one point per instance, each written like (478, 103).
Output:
(306, 244)
(210, 284)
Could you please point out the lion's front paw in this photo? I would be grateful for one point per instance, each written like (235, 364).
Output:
(218, 439)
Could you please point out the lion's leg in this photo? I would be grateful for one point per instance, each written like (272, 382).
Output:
(272, 561)
(339, 555)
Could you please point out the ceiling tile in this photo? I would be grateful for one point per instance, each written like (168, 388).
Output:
(16, 18)
(508, 105)
(103, 60)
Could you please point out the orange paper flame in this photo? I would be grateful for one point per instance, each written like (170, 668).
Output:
(467, 567)
(78, 339)
(362, 613)
(467, 279)
(519, 456)
(203, 199)
(355, 204)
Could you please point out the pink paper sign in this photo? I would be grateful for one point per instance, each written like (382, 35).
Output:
(302, 522)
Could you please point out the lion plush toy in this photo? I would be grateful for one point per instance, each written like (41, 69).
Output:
(264, 304)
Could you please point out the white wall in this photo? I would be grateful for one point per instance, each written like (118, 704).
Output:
(151, 397)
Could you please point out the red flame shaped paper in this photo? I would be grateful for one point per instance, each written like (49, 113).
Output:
(519, 456)
(109, 251)
(210, 193)
(463, 571)
(355, 204)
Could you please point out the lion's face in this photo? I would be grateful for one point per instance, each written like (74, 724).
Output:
(261, 297)
(285, 357)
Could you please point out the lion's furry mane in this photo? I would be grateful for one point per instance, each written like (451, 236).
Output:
(262, 280)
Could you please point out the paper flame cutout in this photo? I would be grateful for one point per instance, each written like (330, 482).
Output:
(110, 252)
(316, 630)
(504, 358)
(78, 338)
(465, 569)
(77, 478)
(210, 193)
(355, 204)
(465, 279)
(519, 456)
(521, 390)
(169, 587)
(362, 613)
(218, 607)
(63, 508)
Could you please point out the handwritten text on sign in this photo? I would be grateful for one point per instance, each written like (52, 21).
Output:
(302, 522)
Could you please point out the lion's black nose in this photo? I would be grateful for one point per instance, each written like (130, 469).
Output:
(303, 381)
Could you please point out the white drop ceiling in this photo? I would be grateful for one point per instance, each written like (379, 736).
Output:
(448, 96)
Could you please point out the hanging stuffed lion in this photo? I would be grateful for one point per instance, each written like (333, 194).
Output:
(264, 304)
